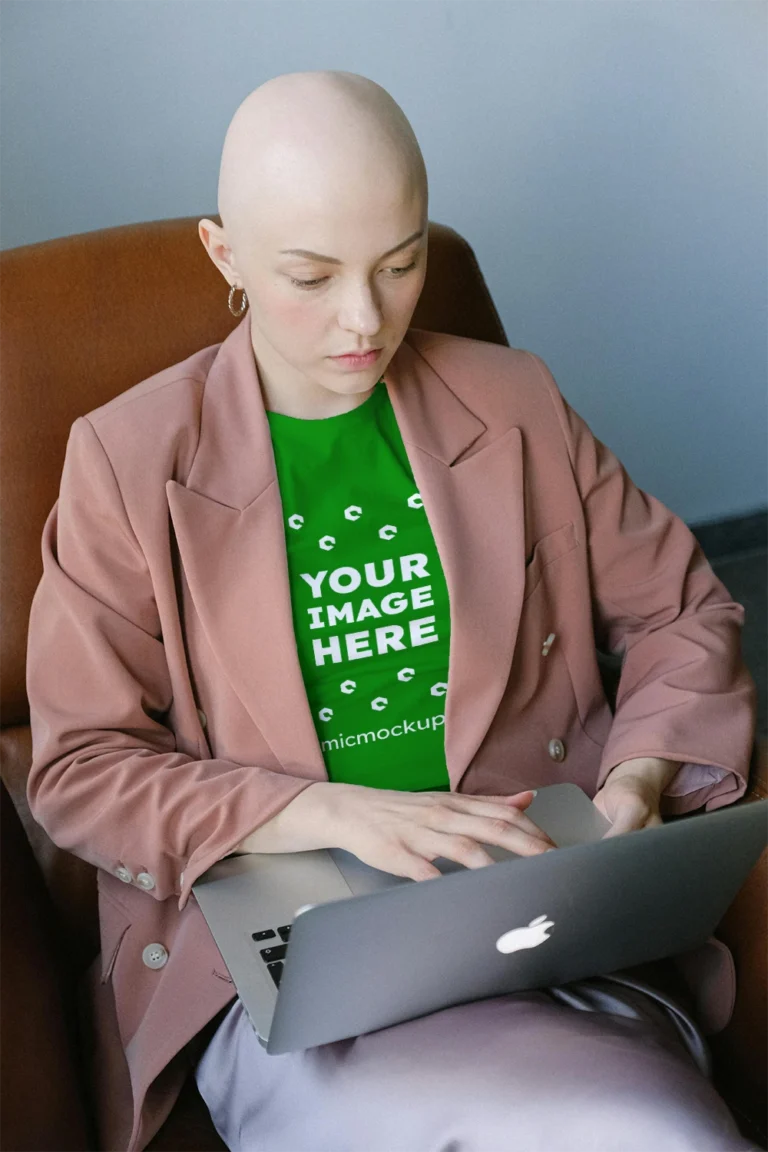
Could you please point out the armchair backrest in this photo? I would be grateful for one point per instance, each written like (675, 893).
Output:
(83, 319)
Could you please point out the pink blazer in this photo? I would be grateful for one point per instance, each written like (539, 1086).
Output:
(168, 711)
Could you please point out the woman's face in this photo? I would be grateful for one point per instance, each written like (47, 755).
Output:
(356, 293)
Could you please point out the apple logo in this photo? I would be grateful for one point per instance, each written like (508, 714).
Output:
(535, 933)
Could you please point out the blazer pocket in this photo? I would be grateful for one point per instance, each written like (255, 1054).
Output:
(114, 922)
(546, 550)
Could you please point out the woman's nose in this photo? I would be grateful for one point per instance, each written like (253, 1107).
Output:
(361, 312)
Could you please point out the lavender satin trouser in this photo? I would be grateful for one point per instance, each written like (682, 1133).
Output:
(597, 1066)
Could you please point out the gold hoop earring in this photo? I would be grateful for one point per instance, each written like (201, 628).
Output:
(243, 304)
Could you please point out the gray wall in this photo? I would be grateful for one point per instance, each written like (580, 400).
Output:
(607, 162)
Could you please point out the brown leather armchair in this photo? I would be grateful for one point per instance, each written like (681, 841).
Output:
(84, 318)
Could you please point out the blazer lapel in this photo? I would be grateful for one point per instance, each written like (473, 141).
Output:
(473, 497)
(228, 520)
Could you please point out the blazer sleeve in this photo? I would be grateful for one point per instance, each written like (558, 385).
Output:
(106, 781)
(685, 693)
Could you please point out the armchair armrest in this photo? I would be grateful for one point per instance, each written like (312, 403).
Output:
(40, 1083)
(740, 1051)
(758, 772)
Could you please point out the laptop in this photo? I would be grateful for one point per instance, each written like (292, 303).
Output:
(321, 946)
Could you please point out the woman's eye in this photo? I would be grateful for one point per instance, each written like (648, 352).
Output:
(306, 283)
(309, 285)
(401, 271)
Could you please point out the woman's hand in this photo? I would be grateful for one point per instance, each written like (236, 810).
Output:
(401, 832)
(631, 794)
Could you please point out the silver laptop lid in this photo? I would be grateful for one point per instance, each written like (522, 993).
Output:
(241, 896)
(523, 923)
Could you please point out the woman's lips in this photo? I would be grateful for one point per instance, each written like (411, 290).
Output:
(358, 361)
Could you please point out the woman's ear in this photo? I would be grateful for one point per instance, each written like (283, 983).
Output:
(214, 240)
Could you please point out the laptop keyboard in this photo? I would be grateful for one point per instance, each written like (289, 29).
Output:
(273, 955)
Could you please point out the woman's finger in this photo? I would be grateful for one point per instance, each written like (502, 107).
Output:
(414, 866)
(514, 799)
(498, 831)
(463, 849)
(630, 814)
(493, 810)
(517, 799)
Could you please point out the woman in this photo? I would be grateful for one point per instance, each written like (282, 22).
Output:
(291, 601)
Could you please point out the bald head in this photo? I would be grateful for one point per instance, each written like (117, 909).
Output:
(315, 141)
(323, 202)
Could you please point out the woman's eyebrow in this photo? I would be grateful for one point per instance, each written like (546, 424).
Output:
(332, 259)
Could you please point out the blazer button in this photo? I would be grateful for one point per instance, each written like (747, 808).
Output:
(202, 718)
(548, 644)
(557, 750)
(155, 956)
(146, 881)
(124, 874)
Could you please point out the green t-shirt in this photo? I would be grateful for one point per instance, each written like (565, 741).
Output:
(368, 594)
